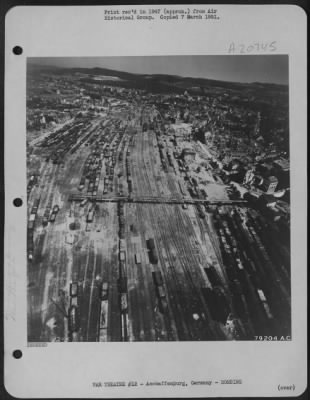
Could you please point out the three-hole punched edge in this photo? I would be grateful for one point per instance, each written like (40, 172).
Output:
(17, 354)
(17, 50)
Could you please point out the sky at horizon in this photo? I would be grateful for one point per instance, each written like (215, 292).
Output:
(236, 68)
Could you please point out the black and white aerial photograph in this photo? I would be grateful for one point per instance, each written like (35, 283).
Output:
(158, 198)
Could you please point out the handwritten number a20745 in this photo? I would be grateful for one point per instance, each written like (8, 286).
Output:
(255, 47)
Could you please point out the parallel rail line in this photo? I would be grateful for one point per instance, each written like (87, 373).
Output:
(151, 200)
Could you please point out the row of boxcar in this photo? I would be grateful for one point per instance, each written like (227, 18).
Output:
(234, 269)
(270, 238)
(128, 169)
(271, 276)
(74, 293)
(30, 229)
(33, 215)
(241, 270)
(111, 161)
(160, 290)
(47, 213)
(173, 160)
(57, 136)
(84, 139)
(163, 159)
(106, 142)
(91, 172)
(73, 312)
(120, 208)
(65, 140)
(122, 281)
(121, 220)
(66, 143)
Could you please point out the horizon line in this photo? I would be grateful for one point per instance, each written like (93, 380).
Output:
(31, 60)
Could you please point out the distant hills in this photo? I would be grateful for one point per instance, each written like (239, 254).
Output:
(156, 82)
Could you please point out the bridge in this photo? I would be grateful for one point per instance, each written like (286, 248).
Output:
(152, 200)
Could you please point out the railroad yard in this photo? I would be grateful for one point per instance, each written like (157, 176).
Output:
(158, 207)
(124, 246)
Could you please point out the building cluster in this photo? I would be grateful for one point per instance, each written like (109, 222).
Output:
(245, 131)
(54, 99)
(248, 148)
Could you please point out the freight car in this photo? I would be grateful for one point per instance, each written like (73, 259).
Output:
(153, 256)
(213, 276)
(157, 278)
(150, 243)
(122, 284)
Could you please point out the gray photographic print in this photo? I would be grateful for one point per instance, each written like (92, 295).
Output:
(158, 199)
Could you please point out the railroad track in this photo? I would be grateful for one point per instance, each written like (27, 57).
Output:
(150, 286)
(145, 178)
(144, 184)
(188, 258)
(176, 306)
(162, 233)
(195, 298)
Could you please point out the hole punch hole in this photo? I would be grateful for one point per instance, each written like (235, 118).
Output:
(18, 202)
(17, 50)
(17, 354)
